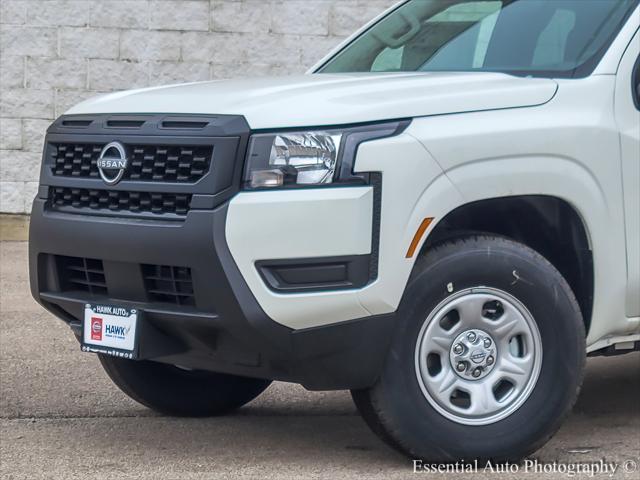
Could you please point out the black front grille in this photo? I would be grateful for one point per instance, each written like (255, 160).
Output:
(82, 274)
(147, 163)
(169, 284)
(114, 201)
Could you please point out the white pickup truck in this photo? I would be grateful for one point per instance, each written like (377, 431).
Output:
(442, 217)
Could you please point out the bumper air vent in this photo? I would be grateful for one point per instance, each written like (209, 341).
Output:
(167, 284)
(82, 274)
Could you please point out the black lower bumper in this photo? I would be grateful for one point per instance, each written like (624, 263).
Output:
(223, 328)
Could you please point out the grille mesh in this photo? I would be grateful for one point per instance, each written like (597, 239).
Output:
(169, 284)
(119, 201)
(152, 163)
(82, 274)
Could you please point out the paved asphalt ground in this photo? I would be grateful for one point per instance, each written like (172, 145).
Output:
(60, 417)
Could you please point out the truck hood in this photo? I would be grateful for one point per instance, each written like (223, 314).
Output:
(328, 99)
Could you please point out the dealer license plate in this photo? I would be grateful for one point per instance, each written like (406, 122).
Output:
(110, 330)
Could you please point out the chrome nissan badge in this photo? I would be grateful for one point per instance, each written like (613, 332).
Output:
(112, 163)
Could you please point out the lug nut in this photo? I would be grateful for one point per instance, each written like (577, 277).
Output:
(458, 349)
(490, 360)
(487, 343)
(471, 337)
(461, 367)
(476, 373)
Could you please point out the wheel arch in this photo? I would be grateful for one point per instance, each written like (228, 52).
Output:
(547, 224)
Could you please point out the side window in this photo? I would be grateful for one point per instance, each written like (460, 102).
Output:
(636, 83)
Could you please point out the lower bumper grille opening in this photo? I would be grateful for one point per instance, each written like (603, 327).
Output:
(82, 274)
(119, 201)
(160, 284)
(169, 284)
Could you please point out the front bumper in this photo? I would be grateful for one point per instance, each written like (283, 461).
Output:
(224, 330)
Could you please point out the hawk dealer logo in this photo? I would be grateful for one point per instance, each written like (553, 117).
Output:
(112, 163)
(116, 331)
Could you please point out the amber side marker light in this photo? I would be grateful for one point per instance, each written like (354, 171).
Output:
(418, 236)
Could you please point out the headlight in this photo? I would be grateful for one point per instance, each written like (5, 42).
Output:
(308, 158)
(303, 158)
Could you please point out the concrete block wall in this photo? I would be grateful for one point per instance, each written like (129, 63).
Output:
(55, 53)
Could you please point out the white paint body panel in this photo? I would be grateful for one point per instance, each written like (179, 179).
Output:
(568, 149)
(318, 223)
(312, 100)
(627, 118)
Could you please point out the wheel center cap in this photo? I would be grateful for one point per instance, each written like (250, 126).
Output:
(473, 354)
(478, 356)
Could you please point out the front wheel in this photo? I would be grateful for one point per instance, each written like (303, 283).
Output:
(488, 357)
(180, 392)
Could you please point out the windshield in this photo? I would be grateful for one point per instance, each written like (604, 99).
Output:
(549, 38)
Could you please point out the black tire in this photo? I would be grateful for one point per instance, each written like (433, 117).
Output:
(395, 407)
(178, 392)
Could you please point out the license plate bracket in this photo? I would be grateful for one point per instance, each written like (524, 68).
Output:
(111, 330)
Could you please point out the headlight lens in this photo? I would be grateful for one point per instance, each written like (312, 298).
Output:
(302, 158)
(312, 157)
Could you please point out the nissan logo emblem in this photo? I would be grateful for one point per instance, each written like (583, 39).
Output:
(112, 163)
(477, 356)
